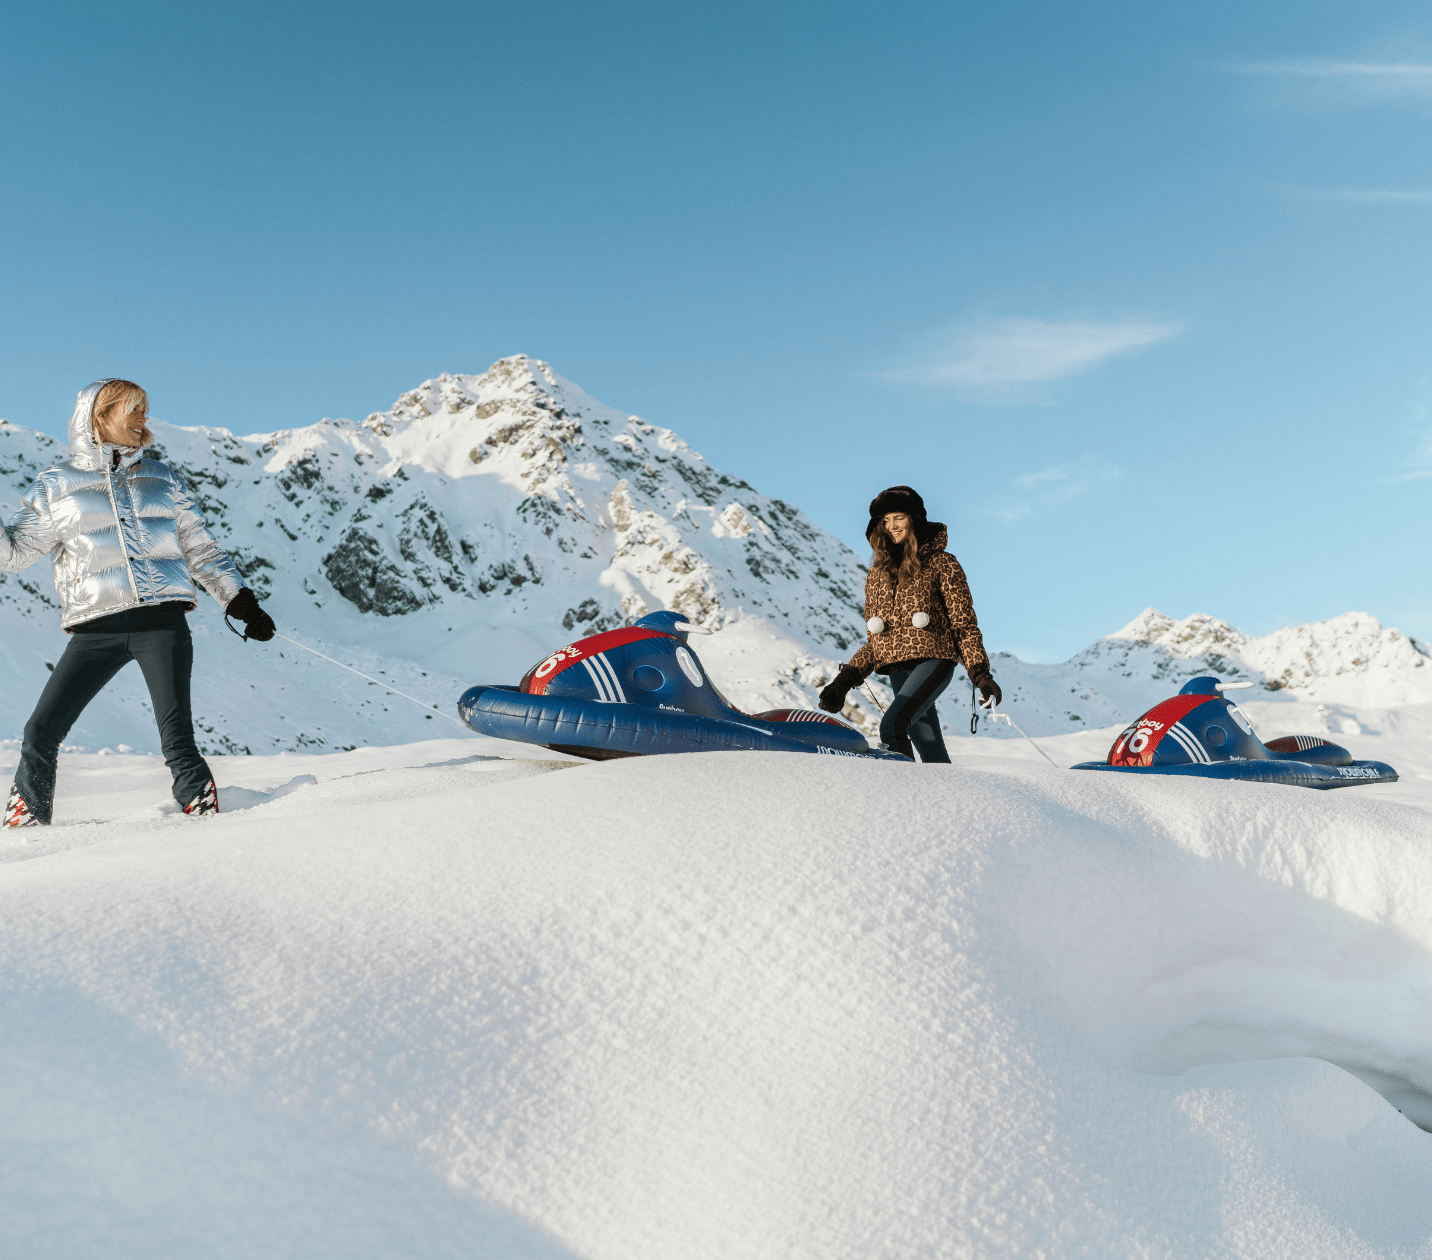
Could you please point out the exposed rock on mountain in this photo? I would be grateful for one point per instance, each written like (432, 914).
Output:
(515, 491)
(1351, 657)
(1347, 660)
(475, 524)
(482, 520)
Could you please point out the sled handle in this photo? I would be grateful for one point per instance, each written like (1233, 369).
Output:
(687, 628)
(994, 718)
(1233, 686)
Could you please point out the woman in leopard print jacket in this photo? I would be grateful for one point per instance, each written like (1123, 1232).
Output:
(921, 625)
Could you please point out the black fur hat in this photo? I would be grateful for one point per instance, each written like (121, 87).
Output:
(898, 499)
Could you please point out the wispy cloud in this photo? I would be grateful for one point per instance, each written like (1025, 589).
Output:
(1053, 487)
(1406, 74)
(1386, 79)
(1420, 461)
(990, 360)
(1385, 196)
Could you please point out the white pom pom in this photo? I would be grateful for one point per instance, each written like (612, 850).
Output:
(920, 620)
(875, 625)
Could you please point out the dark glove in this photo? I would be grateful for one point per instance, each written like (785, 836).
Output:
(988, 687)
(257, 623)
(832, 699)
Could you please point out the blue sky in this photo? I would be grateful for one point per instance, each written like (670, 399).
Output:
(1137, 296)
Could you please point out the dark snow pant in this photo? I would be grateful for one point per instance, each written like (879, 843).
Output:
(158, 638)
(911, 718)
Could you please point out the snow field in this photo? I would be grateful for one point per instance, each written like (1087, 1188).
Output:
(414, 1002)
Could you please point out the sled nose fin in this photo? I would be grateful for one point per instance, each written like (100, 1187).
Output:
(1205, 686)
(671, 623)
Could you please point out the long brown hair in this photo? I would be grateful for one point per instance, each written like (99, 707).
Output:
(124, 396)
(901, 562)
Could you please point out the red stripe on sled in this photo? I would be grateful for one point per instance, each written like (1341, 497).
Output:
(1135, 747)
(535, 680)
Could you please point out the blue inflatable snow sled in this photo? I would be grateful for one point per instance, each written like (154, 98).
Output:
(638, 691)
(1201, 733)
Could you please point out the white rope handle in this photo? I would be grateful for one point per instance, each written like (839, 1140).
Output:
(992, 717)
(379, 682)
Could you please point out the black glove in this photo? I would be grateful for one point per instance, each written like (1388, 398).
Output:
(988, 687)
(832, 699)
(257, 623)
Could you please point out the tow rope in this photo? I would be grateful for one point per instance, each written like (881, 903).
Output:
(992, 718)
(378, 682)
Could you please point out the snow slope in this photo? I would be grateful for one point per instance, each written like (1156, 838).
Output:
(419, 1002)
(422, 999)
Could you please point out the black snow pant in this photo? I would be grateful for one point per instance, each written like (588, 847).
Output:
(911, 718)
(158, 638)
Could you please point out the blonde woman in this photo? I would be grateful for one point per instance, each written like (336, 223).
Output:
(128, 546)
(921, 625)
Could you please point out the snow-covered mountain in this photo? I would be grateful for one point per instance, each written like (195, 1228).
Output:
(457, 538)
(516, 498)
(1347, 662)
(483, 520)
(1350, 659)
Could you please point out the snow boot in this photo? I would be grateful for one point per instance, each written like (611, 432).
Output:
(17, 813)
(207, 802)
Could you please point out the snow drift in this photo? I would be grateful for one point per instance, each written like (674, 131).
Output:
(422, 1002)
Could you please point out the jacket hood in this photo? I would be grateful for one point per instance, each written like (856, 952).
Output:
(933, 539)
(84, 450)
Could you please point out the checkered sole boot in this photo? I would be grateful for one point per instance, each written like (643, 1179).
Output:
(17, 813)
(207, 802)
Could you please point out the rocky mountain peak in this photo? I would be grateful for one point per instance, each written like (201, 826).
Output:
(517, 384)
(1345, 656)
(508, 496)
(484, 519)
(1196, 635)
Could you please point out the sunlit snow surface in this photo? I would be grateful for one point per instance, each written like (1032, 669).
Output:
(459, 998)
(420, 1001)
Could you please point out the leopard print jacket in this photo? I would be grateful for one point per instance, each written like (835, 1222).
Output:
(941, 592)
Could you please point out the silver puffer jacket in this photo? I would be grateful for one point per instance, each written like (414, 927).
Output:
(119, 536)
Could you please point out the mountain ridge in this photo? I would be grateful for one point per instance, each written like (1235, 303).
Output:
(485, 519)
